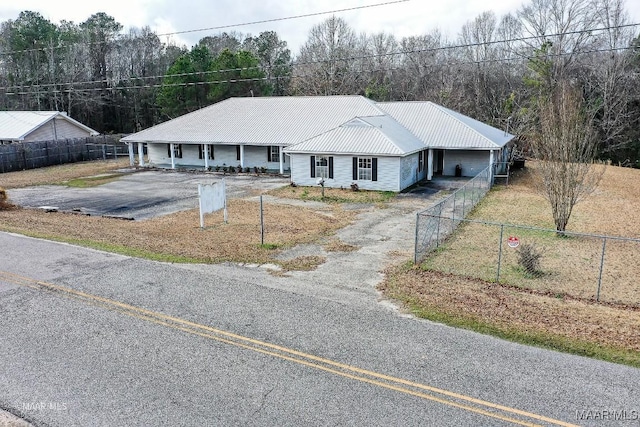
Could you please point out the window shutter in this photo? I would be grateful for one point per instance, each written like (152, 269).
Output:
(355, 168)
(331, 167)
(169, 150)
(374, 169)
(237, 152)
(268, 153)
(313, 166)
(200, 156)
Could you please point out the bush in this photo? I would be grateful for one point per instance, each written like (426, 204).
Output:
(529, 258)
(4, 201)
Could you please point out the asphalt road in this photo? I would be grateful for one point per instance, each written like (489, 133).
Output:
(90, 338)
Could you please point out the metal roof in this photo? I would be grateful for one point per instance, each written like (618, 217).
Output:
(439, 127)
(260, 121)
(378, 135)
(325, 124)
(16, 125)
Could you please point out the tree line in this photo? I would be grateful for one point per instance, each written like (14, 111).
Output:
(497, 69)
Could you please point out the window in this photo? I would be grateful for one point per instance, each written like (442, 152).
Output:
(421, 161)
(201, 151)
(273, 153)
(322, 167)
(364, 168)
(177, 150)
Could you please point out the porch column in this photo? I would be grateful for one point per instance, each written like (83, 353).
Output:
(430, 165)
(281, 155)
(491, 161)
(173, 155)
(206, 156)
(242, 155)
(140, 154)
(132, 156)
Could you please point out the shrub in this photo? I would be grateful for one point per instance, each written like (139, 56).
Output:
(4, 201)
(529, 258)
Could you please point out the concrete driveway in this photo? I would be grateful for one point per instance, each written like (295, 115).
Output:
(141, 195)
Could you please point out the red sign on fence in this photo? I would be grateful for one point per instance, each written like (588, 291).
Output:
(513, 242)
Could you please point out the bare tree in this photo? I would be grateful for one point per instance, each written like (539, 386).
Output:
(565, 146)
(327, 60)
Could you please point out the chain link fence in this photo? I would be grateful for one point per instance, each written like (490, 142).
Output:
(31, 155)
(430, 231)
(602, 268)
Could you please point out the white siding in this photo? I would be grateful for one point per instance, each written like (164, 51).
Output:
(224, 155)
(388, 173)
(409, 170)
(63, 129)
(472, 162)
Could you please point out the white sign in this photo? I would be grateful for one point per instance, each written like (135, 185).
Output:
(212, 198)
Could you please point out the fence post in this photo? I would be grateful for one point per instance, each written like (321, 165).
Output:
(604, 246)
(261, 222)
(104, 152)
(500, 253)
(415, 244)
(438, 227)
(464, 203)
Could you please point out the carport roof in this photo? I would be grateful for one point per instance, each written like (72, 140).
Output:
(439, 127)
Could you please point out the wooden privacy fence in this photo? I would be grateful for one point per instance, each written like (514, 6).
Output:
(31, 155)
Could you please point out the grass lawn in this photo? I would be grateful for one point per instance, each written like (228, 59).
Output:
(457, 287)
(177, 237)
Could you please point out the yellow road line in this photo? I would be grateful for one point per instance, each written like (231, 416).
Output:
(285, 353)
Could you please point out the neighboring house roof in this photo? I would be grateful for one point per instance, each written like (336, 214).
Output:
(377, 135)
(439, 127)
(16, 125)
(260, 121)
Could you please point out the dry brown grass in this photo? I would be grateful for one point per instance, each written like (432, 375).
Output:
(555, 305)
(508, 308)
(332, 195)
(59, 173)
(179, 235)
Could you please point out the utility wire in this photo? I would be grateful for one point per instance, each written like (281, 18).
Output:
(61, 46)
(36, 88)
(369, 56)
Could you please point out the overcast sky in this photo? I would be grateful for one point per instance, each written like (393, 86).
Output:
(412, 17)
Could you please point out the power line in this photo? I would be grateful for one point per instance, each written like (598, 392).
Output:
(61, 46)
(292, 77)
(368, 56)
(307, 15)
